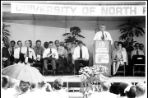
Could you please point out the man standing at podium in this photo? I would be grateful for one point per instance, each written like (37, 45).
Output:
(103, 34)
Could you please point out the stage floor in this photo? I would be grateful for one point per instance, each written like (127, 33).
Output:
(76, 78)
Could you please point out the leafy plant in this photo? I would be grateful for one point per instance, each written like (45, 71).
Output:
(73, 35)
(130, 29)
(5, 35)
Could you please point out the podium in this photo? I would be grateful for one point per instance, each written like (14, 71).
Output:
(102, 55)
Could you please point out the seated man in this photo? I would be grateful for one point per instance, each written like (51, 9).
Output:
(137, 50)
(18, 55)
(29, 53)
(39, 54)
(50, 55)
(5, 56)
(80, 56)
(11, 51)
(62, 52)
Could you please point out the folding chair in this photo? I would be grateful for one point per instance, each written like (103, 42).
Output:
(138, 62)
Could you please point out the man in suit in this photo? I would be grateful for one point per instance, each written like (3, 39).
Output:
(80, 56)
(137, 50)
(11, 51)
(39, 54)
(5, 56)
(50, 55)
(103, 34)
(62, 61)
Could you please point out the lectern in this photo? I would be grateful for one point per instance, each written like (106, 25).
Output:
(102, 55)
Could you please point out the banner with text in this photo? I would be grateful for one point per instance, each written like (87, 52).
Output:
(79, 10)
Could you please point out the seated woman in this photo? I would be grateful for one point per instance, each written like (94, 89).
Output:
(120, 58)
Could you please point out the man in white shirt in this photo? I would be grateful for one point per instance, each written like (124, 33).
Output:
(17, 52)
(50, 55)
(80, 56)
(137, 51)
(28, 53)
(103, 35)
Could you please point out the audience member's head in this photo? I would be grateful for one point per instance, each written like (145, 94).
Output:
(30, 45)
(116, 44)
(131, 93)
(57, 43)
(38, 43)
(32, 86)
(19, 43)
(50, 44)
(24, 86)
(12, 43)
(102, 27)
(5, 82)
(13, 82)
(57, 84)
(46, 45)
(48, 87)
(27, 43)
(140, 89)
(41, 84)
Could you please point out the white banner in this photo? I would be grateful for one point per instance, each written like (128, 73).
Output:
(79, 10)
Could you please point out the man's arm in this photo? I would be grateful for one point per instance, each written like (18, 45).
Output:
(56, 54)
(97, 36)
(45, 53)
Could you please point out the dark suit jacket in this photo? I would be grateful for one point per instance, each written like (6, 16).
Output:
(5, 53)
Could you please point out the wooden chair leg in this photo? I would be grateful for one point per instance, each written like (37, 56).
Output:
(133, 71)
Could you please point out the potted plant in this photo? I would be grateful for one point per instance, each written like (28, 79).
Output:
(130, 29)
(74, 35)
(5, 34)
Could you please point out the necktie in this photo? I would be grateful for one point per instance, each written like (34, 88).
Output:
(137, 52)
(102, 36)
(80, 52)
(50, 51)
(27, 52)
(13, 51)
(20, 50)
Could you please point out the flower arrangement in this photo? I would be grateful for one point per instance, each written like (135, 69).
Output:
(92, 78)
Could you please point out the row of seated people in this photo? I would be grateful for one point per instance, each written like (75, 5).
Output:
(59, 57)
(12, 88)
(64, 57)
(121, 57)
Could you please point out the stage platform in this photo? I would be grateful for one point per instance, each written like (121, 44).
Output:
(76, 78)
